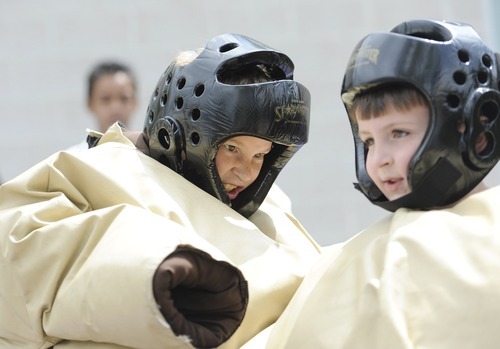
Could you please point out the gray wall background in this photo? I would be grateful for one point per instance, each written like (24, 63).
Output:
(47, 48)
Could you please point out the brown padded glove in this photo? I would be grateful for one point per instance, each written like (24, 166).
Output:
(200, 297)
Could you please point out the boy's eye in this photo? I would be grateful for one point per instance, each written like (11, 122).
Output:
(399, 133)
(230, 147)
(368, 142)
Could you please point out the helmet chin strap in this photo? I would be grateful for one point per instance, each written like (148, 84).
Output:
(432, 191)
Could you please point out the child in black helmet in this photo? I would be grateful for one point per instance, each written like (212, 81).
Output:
(423, 102)
(174, 236)
(229, 89)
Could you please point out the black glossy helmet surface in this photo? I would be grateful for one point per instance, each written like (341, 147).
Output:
(193, 111)
(459, 75)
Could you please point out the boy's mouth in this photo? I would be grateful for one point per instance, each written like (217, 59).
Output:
(391, 181)
(229, 187)
(232, 190)
(392, 185)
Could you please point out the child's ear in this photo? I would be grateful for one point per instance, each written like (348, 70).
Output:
(461, 127)
(481, 143)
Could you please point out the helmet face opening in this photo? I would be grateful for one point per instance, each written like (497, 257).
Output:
(450, 65)
(235, 86)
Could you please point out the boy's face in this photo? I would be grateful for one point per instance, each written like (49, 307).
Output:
(391, 140)
(113, 99)
(239, 161)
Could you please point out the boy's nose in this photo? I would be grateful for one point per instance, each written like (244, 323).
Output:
(245, 171)
(116, 103)
(382, 156)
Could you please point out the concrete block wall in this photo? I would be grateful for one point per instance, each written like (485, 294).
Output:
(47, 48)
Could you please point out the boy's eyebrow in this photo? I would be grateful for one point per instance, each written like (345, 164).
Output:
(267, 151)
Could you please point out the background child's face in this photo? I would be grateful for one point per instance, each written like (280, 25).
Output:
(113, 99)
(391, 140)
(239, 161)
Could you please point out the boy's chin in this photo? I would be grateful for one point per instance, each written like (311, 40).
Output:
(395, 196)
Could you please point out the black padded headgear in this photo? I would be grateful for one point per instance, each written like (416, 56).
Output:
(192, 112)
(458, 74)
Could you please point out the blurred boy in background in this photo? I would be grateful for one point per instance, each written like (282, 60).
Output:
(111, 97)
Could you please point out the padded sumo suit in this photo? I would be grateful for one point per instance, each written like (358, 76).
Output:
(69, 243)
(93, 243)
(413, 280)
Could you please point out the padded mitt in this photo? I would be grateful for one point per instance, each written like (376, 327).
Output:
(200, 297)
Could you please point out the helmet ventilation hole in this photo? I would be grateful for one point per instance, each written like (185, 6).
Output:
(169, 78)
(181, 83)
(489, 141)
(195, 138)
(453, 101)
(151, 116)
(195, 114)
(164, 138)
(228, 47)
(459, 77)
(487, 61)
(199, 89)
(486, 141)
(163, 100)
(482, 77)
(463, 56)
(179, 102)
(490, 110)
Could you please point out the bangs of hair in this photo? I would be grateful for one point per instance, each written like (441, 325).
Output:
(374, 102)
